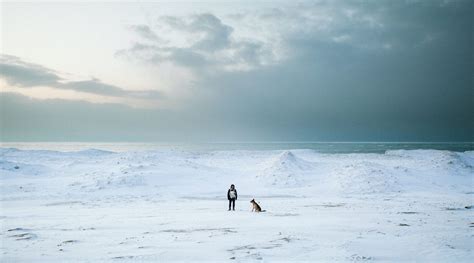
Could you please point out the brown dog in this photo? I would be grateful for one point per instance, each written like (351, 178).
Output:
(256, 207)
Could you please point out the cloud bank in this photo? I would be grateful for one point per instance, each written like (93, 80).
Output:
(324, 70)
(22, 74)
(201, 42)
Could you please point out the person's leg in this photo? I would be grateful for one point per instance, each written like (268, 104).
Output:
(230, 202)
(233, 204)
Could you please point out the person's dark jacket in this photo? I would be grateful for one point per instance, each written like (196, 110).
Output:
(228, 194)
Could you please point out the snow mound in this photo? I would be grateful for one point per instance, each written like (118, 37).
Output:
(467, 158)
(366, 178)
(446, 163)
(256, 172)
(285, 169)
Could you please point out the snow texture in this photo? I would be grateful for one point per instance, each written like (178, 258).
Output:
(171, 205)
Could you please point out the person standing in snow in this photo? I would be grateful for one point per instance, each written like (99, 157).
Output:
(232, 196)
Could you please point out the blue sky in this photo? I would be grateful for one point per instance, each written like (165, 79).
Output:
(237, 71)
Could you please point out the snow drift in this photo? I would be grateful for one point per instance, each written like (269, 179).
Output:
(100, 206)
(206, 173)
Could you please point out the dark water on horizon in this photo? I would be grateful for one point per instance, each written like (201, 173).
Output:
(323, 147)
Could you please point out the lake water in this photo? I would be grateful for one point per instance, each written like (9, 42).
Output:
(324, 147)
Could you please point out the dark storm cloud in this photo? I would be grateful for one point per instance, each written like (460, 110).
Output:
(25, 119)
(211, 45)
(380, 71)
(352, 70)
(27, 75)
(375, 26)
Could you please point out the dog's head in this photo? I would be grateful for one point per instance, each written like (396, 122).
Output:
(252, 201)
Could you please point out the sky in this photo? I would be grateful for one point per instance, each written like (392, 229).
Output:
(230, 71)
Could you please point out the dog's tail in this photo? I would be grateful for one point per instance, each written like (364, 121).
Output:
(263, 211)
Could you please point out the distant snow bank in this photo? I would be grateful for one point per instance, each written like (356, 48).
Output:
(183, 173)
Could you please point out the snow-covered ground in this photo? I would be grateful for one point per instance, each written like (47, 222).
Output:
(171, 205)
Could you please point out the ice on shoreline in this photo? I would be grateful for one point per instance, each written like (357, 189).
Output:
(156, 205)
